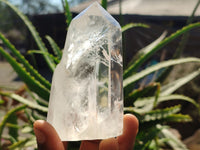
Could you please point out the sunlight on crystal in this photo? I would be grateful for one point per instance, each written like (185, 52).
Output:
(86, 100)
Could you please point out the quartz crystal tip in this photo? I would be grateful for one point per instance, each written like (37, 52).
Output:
(86, 100)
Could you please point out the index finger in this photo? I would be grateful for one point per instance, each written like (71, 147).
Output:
(47, 137)
(127, 139)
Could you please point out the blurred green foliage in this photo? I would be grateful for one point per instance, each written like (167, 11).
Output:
(141, 101)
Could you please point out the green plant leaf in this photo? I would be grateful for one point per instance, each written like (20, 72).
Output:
(25, 101)
(104, 4)
(56, 49)
(39, 101)
(145, 137)
(178, 118)
(11, 125)
(180, 48)
(26, 77)
(174, 85)
(158, 143)
(27, 129)
(6, 117)
(25, 63)
(34, 33)
(68, 13)
(13, 131)
(185, 37)
(18, 144)
(31, 143)
(132, 79)
(173, 141)
(157, 94)
(163, 43)
(143, 52)
(40, 52)
(141, 92)
(132, 25)
(160, 114)
(1, 102)
(144, 105)
(23, 143)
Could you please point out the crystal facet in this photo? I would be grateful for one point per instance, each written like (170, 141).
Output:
(86, 100)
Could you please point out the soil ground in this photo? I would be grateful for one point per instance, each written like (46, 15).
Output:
(8, 78)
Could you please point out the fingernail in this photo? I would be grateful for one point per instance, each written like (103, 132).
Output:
(39, 136)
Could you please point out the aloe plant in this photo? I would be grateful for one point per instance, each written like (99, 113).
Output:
(142, 102)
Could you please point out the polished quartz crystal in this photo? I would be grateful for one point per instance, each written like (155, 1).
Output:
(86, 100)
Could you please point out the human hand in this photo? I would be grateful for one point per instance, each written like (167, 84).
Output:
(48, 139)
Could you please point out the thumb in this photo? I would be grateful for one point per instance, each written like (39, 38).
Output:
(47, 137)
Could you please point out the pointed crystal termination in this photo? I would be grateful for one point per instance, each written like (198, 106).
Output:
(86, 100)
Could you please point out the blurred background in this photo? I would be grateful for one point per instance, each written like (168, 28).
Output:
(161, 15)
(48, 19)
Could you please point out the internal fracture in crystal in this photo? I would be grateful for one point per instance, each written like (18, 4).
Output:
(86, 100)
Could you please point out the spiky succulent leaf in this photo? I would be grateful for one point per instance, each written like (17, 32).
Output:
(34, 33)
(68, 13)
(32, 83)
(133, 68)
(132, 25)
(57, 51)
(6, 117)
(25, 63)
(128, 82)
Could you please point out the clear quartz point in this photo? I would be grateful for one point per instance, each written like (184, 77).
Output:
(86, 100)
